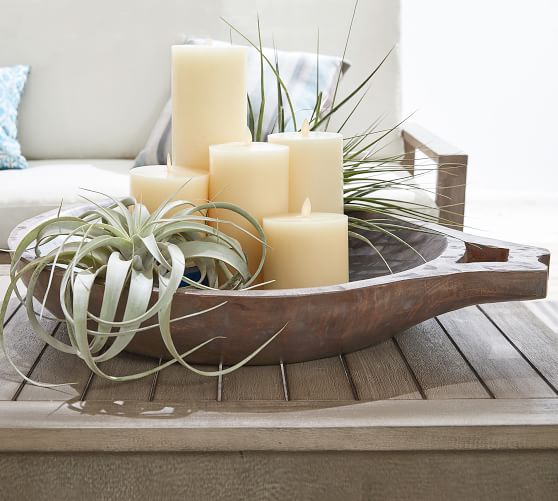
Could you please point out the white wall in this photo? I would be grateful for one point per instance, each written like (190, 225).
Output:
(484, 74)
(93, 62)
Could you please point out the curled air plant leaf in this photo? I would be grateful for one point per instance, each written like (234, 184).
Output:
(133, 254)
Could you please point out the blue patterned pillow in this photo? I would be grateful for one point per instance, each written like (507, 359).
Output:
(12, 81)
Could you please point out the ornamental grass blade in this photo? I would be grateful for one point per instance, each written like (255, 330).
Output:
(251, 119)
(362, 238)
(340, 71)
(280, 106)
(270, 64)
(262, 87)
(337, 107)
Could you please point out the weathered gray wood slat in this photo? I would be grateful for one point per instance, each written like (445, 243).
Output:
(178, 384)
(531, 336)
(57, 367)
(253, 383)
(328, 475)
(14, 303)
(124, 364)
(4, 280)
(318, 380)
(380, 373)
(497, 362)
(400, 425)
(24, 347)
(12, 307)
(439, 368)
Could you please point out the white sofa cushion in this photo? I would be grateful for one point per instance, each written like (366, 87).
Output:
(409, 193)
(28, 192)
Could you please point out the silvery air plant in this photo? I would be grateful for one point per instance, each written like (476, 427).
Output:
(131, 254)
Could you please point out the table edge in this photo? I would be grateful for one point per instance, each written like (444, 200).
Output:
(389, 425)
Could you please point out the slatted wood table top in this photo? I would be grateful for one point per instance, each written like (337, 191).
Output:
(478, 378)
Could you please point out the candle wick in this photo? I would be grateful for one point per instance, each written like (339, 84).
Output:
(306, 209)
(305, 128)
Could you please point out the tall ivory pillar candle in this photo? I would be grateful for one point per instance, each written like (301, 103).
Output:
(308, 249)
(209, 104)
(254, 176)
(316, 168)
(153, 184)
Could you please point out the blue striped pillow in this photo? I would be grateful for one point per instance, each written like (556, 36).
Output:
(12, 82)
(298, 72)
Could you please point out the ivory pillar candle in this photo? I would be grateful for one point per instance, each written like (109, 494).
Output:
(254, 176)
(209, 104)
(153, 184)
(316, 168)
(308, 249)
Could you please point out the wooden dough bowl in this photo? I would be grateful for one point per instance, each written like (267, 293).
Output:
(460, 270)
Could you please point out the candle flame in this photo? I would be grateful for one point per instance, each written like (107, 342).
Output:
(169, 162)
(305, 128)
(306, 208)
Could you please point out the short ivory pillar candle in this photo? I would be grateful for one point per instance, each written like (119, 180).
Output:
(209, 104)
(254, 176)
(153, 184)
(308, 249)
(316, 168)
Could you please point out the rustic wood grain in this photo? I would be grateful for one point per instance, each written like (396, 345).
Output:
(254, 383)
(370, 368)
(482, 476)
(178, 384)
(125, 364)
(218, 426)
(451, 171)
(318, 380)
(325, 444)
(439, 368)
(57, 367)
(23, 347)
(4, 282)
(328, 321)
(13, 305)
(498, 363)
(531, 336)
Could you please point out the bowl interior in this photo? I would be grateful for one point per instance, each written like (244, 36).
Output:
(402, 250)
